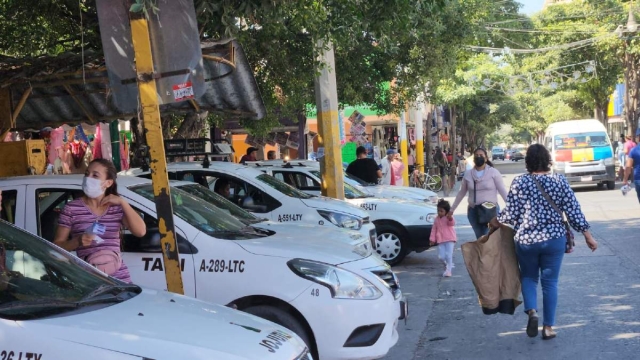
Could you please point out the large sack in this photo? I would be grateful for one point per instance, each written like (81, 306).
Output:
(492, 264)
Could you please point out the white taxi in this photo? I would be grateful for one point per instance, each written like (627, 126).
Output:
(402, 226)
(302, 282)
(375, 190)
(270, 198)
(55, 306)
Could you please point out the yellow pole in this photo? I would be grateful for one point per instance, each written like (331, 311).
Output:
(328, 129)
(151, 120)
(402, 133)
(417, 118)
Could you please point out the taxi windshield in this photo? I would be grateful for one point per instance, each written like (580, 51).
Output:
(581, 140)
(283, 187)
(201, 214)
(38, 279)
(350, 192)
(220, 202)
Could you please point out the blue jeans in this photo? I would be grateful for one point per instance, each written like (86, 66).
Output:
(637, 182)
(478, 229)
(542, 260)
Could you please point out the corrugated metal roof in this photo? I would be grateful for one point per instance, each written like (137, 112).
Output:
(59, 92)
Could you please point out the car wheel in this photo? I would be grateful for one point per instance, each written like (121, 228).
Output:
(390, 245)
(611, 185)
(281, 318)
(600, 186)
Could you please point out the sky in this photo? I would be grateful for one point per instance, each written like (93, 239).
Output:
(531, 6)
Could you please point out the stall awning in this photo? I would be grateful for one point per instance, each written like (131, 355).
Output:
(74, 88)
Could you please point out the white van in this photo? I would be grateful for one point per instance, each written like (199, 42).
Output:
(303, 281)
(582, 152)
(55, 306)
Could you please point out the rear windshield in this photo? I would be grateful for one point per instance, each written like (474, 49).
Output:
(581, 140)
(283, 187)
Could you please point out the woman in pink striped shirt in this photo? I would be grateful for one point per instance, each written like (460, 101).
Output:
(91, 224)
(443, 234)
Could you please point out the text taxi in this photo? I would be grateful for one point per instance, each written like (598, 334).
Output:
(53, 306)
(292, 280)
(267, 197)
(402, 226)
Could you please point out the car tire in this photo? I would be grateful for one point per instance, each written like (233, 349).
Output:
(281, 318)
(611, 185)
(390, 243)
(601, 186)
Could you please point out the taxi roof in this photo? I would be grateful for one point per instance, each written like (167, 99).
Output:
(228, 167)
(126, 181)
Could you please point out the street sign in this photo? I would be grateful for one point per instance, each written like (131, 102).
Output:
(177, 56)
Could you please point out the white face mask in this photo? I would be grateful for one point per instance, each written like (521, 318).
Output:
(92, 187)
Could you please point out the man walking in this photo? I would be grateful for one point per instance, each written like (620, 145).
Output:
(388, 177)
(633, 163)
(364, 168)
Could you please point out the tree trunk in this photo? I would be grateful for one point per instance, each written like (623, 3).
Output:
(192, 126)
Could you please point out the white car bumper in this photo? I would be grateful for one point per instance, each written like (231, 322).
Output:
(369, 231)
(357, 329)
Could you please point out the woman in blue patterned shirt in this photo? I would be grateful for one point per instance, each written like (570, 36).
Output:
(540, 233)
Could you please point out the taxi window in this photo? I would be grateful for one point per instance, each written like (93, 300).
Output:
(8, 206)
(50, 203)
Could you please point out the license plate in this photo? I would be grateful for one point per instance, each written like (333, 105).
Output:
(586, 178)
(404, 310)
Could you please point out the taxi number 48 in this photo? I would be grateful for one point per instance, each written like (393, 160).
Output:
(222, 266)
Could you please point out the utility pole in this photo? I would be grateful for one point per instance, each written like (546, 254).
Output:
(418, 120)
(153, 128)
(329, 131)
(402, 134)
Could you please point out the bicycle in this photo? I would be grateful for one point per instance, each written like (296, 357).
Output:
(425, 180)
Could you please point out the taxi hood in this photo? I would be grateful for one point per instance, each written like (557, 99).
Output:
(324, 245)
(329, 204)
(289, 230)
(162, 325)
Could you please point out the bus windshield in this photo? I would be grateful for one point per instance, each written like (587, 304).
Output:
(581, 140)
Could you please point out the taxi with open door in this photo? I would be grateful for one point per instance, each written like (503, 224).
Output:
(302, 281)
(55, 306)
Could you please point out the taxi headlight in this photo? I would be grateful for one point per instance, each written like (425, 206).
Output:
(433, 199)
(609, 161)
(342, 220)
(343, 284)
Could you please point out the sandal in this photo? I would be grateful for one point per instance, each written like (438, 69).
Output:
(532, 324)
(548, 334)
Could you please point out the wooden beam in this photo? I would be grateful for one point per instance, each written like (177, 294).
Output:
(16, 111)
(75, 98)
(195, 105)
(6, 118)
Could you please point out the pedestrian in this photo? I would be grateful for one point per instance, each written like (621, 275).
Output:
(90, 225)
(443, 234)
(621, 156)
(411, 159)
(633, 164)
(388, 177)
(440, 160)
(271, 155)
(251, 155)
(364, 168)
(534, 208)
(398, 170)
(482, 184)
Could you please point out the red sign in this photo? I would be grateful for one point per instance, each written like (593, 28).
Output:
(183, 91)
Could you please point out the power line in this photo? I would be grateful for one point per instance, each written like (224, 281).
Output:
(540, 50)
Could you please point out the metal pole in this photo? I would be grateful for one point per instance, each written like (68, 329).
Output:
(153, 128)
(329, 132)
(402, 133)
(417, 118)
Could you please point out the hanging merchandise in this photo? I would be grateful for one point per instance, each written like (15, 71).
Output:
(78, 148)
(105, 142)
(124, 161)
(97, 143)
(56, 137)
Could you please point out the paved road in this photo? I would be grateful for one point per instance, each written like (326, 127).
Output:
(598, 313)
